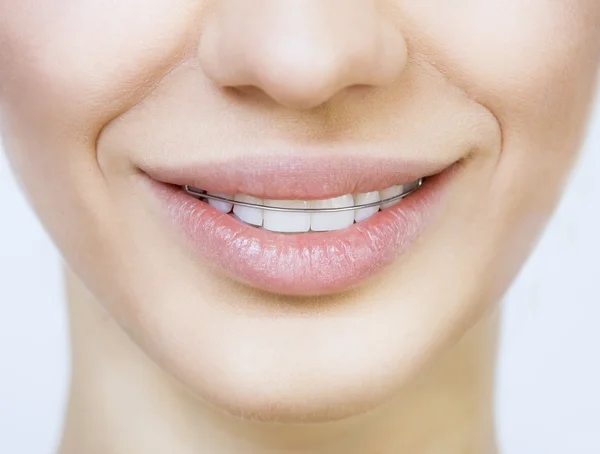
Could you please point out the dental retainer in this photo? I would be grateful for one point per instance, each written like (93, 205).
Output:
(201, 194)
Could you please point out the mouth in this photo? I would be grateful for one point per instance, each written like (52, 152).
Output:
(303, 216)
(300, 227)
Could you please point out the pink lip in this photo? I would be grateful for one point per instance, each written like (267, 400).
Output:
(277, 178)
(299, 264)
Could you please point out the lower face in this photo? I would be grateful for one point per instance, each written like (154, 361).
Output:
(107, 114)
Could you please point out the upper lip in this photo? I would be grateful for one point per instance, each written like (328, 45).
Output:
(305, 178)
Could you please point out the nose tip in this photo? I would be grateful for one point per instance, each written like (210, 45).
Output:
(304, 72)
(302, 56)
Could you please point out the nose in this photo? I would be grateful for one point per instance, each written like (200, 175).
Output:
(301, 53)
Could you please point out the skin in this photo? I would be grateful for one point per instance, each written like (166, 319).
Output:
(90, 90)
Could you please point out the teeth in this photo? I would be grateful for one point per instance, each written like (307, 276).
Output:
(249, 215)
(223, 207)
(278, 221)
(411, 186)
(324, 222)
(298, 222)
(390, 192)
(363, 198)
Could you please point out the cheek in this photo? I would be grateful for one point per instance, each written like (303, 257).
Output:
(523, 60)
(514, 46)
(533, 65)
(66, 69)
(75, 65)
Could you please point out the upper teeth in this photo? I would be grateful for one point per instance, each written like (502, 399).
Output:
(297, 222)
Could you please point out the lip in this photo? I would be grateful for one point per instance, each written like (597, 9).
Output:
(296, 178)
(302, 264)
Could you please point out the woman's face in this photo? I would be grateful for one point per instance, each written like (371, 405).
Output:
(109, 107)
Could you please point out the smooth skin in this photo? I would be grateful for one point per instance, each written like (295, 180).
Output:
(170, 356)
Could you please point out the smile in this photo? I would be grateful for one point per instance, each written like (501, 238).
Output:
(354, 229)
(300, 216)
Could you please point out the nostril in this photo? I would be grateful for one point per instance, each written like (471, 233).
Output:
(302, 56)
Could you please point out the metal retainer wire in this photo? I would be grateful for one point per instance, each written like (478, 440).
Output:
(199, 193)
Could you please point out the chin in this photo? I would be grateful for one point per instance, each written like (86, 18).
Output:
(315, 360)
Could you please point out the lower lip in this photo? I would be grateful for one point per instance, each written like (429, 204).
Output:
(303, 264)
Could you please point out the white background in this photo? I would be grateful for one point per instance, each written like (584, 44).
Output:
(548, 397)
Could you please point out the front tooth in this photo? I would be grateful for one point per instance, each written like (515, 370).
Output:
(223, 207)
(390, 192)
(249, 215)
(323, 222)
(363, 198)
(287, 222)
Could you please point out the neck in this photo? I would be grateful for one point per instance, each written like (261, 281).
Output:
(121, 403)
